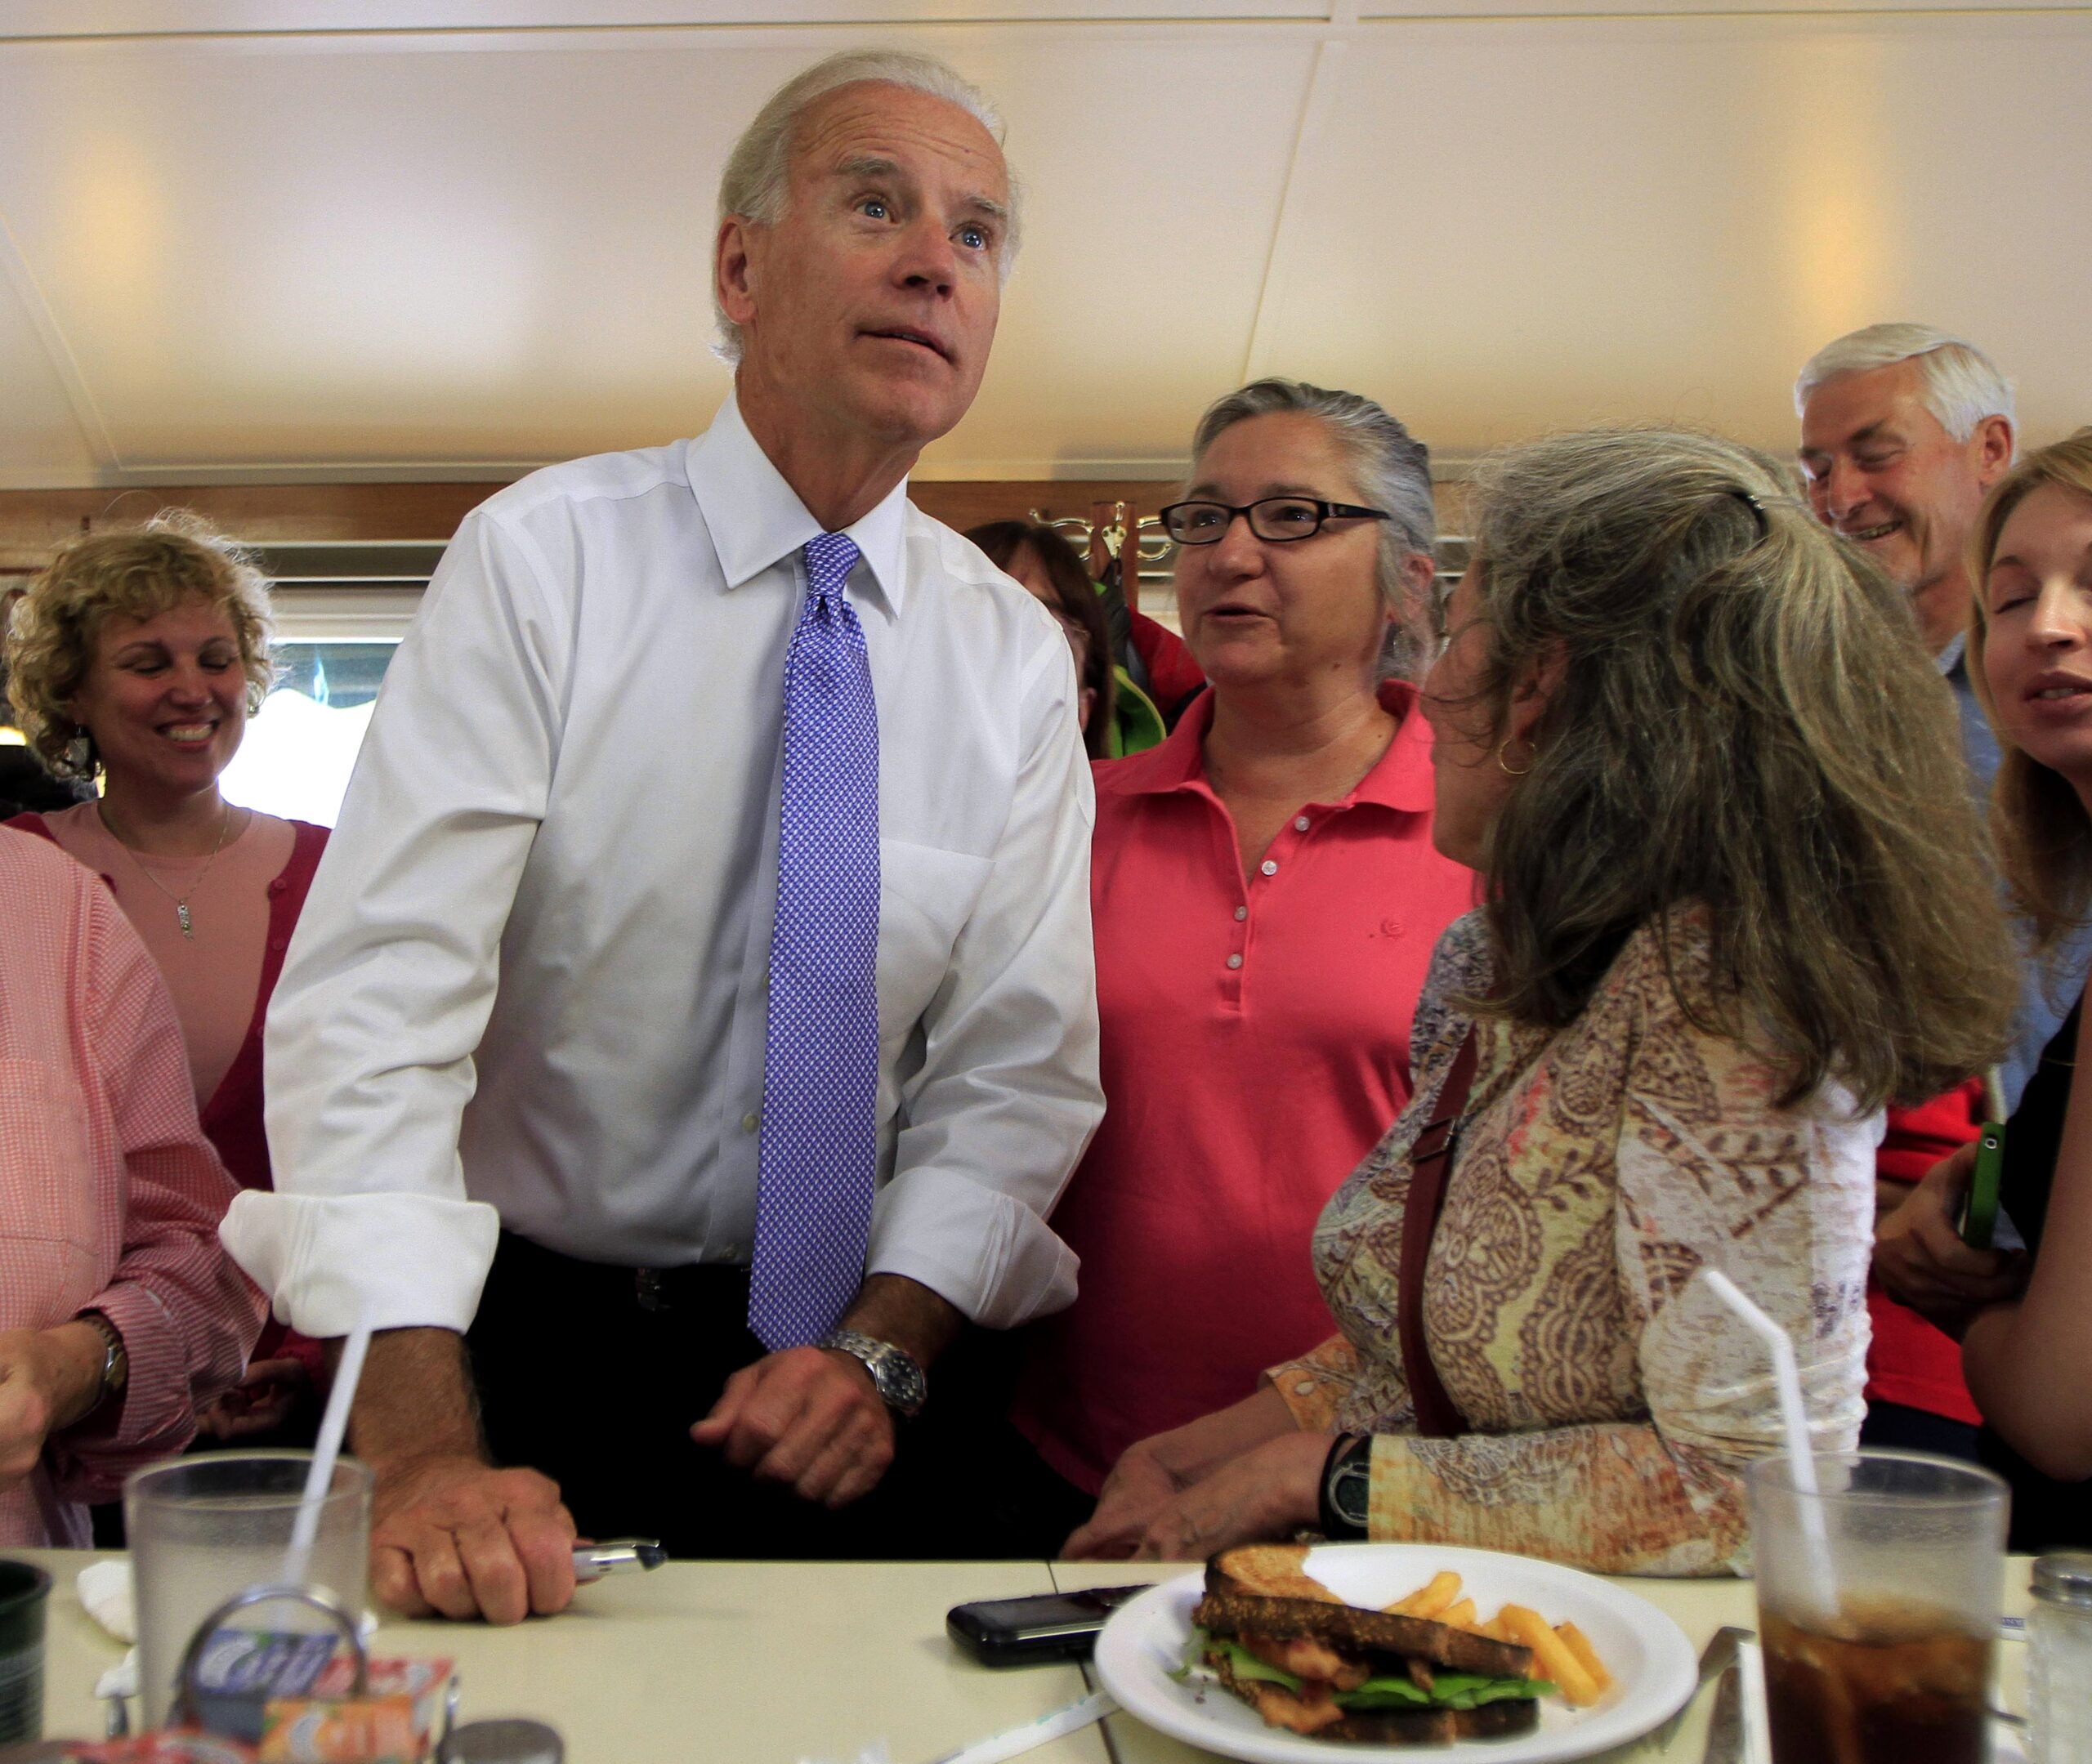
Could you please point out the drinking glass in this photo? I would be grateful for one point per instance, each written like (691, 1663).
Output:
(203, 1528)
(23, 1589)
(1878, 1604)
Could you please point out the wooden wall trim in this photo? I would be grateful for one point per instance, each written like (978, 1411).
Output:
(33, 521)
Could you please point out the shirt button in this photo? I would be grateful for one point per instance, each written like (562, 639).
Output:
(751, 1121)
(1301, 825)
(279, 944)
(1269, 866)
(1305, 1388)
(1241, 913)
(1234, 960)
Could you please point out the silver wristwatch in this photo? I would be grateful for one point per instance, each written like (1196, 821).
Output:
(895, 1375)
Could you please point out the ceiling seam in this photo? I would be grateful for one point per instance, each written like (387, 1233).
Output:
(1279, 21)
(1321, 96)
(87, 413)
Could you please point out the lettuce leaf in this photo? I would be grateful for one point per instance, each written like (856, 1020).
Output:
(1453, 1691)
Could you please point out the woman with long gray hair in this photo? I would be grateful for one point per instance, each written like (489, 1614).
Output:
(1265, 897)
(1737, 900)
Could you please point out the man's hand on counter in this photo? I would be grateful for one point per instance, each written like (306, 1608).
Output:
(454, 1535)
(449, 1533)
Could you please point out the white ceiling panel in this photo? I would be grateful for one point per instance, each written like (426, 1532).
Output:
(1153, 172)
(315, 255)
(1514, 226)
(118, 18)
(43, 440)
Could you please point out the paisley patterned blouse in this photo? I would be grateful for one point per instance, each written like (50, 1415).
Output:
(1613, 1400)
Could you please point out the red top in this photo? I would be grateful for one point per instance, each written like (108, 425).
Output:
(1173, 677)
(1238, 1097)
(1909, 1361)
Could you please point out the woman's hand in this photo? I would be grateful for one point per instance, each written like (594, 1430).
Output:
(49, 1379)
(1921, 1260)
(1151, 1474)
(1269, 1492)
(261, 1401)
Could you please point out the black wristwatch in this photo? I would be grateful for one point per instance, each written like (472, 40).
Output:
(896, 1376)
(1347, 1486)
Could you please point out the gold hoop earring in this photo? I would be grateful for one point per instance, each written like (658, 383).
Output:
(1511, 772)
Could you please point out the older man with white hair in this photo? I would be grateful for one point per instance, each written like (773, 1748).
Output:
(704, 949)
(1904, 429)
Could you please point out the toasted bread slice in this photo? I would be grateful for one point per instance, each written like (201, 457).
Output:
(1492, 1721)
(1350, 1627)
(1266, 1570)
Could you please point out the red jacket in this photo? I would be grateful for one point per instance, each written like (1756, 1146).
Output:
(1910, 1362)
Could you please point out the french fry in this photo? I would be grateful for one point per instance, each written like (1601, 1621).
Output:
(1460, 1615)
(1587, 1656)
(1431, 1598)
(1552, 1659)
(1494, 1629)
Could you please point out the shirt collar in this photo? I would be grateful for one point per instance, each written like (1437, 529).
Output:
(756, 519)
(1401, 778)
(1950, 657)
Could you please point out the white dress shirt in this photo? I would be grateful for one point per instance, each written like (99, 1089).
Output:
(530, 981)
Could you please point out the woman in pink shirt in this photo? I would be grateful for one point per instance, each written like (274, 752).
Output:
(119, 1311)
(139, 656)
(1266, 897)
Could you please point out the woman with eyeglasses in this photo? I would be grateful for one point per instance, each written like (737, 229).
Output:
(1736, 900)
(1265, 896)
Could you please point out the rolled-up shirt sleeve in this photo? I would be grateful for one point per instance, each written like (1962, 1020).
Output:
(1007, 1095)
(390, 976)
(187, 1315)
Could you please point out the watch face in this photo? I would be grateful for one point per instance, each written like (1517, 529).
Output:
(900, 1381)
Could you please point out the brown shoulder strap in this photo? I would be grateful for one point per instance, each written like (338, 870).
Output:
(1438, 1417)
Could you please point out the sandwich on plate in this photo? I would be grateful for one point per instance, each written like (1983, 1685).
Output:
(1285, 1644)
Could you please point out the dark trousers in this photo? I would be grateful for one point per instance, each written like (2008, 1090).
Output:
(595, 1375)
(1898, 1428)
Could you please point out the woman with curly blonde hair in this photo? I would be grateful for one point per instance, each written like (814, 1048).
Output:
(136, 659)
(1738, 899)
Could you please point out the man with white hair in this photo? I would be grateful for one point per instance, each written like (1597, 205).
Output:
(1904, 429)
(705, 950)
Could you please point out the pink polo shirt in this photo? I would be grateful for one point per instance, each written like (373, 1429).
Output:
(1255, 1047)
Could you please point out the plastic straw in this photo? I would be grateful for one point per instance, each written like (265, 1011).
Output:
(1794, 1419)
(1014, 1741)
(320, 1479)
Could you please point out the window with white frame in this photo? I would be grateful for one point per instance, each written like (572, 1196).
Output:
(332, 647)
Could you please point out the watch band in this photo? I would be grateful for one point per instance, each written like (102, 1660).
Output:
(115, 1358)
(1347, 1485)
(895, 1375)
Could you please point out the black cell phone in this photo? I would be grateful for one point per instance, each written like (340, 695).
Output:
(1036, 1631)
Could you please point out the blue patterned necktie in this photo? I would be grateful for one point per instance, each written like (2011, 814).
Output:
(819, 1152)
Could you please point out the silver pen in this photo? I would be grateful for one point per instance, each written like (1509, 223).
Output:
(619, 1555)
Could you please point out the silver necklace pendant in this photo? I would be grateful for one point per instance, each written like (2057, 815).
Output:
(182, 913)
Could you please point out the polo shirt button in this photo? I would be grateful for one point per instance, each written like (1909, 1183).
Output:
(1269, 866)
(1234, 960)
(279, 943)
(1241, 913)
(751, 1121)
(1305, 1388)
(1301, 825)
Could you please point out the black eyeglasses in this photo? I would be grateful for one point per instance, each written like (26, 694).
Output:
(1278, 518)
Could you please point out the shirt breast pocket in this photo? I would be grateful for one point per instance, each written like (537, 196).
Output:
(48, 1238)
(926, 896)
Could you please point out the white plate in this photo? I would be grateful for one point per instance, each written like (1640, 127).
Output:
(1652, 1664)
